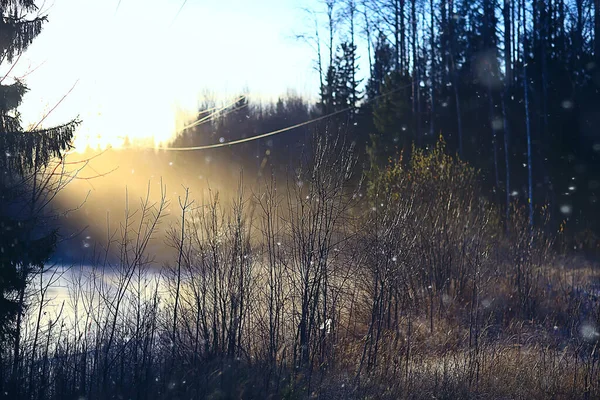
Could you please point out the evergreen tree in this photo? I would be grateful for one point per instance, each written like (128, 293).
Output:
(25, 243)
(328, 102)
(382, 66)
(392, 119)
(347, 93)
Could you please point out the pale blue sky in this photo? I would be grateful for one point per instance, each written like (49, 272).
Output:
(136, 66)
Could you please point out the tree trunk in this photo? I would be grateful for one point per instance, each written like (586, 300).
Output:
(398, 30)
(508, 72)
(454, 74)
(415, 83)
(597, 32)
(402, 64)
(527, 121)
(432, 75)
(444, 42)
(506, 154)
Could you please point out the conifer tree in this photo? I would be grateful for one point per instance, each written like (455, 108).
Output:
(25, 243)
(347, 92)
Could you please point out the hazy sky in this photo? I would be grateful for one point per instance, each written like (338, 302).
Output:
(136, 64)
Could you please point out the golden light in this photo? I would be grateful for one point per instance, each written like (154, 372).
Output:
(158, 126)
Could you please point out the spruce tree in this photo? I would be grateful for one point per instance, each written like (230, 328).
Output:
(394, 131)
(25, 242)
(382, 66)
(347, 93)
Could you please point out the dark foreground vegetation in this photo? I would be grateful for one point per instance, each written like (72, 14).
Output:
(411, 285)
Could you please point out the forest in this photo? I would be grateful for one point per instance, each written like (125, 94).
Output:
(428, 228)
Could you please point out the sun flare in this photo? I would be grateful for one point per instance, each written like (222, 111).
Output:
(158, 130)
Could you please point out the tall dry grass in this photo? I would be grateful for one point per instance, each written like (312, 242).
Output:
(318, 286)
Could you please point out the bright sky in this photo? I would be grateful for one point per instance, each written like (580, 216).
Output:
(138, 63)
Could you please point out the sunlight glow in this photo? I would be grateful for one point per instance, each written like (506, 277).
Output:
(142, 69)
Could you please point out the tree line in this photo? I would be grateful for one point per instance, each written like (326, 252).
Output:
(513, 86)
(458, 68)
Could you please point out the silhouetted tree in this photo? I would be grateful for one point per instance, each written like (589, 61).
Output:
(382, 66)
(347, 93)
(25, 243)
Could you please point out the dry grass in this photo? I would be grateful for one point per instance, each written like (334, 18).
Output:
(317, 292)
